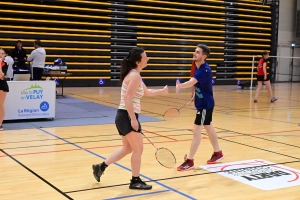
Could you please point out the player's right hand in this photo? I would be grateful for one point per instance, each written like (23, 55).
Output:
(135, 125)
(177, 86)
(166, 89)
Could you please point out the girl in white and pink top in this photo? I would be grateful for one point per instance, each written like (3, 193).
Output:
(133, 89)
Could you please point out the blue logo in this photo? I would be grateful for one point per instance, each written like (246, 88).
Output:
(101, 81)
(213, 80)
(44, 106)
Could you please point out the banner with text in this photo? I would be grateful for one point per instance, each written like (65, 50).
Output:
(30, 99)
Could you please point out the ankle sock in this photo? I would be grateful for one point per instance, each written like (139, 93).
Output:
(103, 166)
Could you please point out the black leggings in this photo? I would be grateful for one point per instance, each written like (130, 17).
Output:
(37, 73)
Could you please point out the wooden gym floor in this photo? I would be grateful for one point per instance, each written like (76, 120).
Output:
(55, 163)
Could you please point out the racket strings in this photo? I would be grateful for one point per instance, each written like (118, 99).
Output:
(171, 114)
(165, 157)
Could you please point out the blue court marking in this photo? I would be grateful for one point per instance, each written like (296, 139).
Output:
(138, 195)
(119, 165)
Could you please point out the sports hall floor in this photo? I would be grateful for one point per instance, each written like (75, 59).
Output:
(50, 162)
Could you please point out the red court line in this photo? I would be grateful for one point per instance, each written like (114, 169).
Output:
(173, 140)
(57, 151)
(160, 135)
(253, 134)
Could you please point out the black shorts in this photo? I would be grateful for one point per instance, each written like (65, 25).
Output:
(204, 116)
(123, 122)
(262, 78)
(4, 86)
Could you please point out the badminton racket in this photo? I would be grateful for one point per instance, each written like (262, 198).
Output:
(164, 156)
(173, 113)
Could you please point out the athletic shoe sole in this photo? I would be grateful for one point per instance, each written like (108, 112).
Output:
(216, 160)
(185, 169)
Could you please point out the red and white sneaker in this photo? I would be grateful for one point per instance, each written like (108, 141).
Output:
(217, 156)
(187, 165)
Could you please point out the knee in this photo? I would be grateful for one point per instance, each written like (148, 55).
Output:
(197, 129)
(138, 150)
(128, 150)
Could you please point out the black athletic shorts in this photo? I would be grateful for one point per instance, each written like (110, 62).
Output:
(123, 122)
(204, 116)
(4, 86)
(261, 78)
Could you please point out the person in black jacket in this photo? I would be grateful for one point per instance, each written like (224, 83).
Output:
(3, 86)
(19, 54)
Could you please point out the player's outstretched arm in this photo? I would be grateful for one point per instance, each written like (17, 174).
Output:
(186, 84)
(155, 92)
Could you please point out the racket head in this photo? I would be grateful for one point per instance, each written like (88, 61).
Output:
(165, 157)
(171, 114)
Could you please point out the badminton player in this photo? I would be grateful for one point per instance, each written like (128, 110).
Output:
(204, 103)
(126, 119)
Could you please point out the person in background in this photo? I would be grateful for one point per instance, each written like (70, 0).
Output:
(19, 54)
(10, 61)
(38, 58)
(263, 76)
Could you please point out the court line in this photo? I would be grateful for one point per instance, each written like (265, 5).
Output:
(222, 138)
(47, 145)
(88, 136)
(216, 172)
(236, 109)
(272, 120)
(138, 195)
(41, 178)
(159, 135)
(229, 136)
(256, 148)
(190, 175)
(116, 104)
(93, 141)
(262, 133)
(119, 165)
(220, 111)
(291, 145)
(57, 151)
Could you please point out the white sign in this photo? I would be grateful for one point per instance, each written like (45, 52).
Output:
(258, 173)
(30, 99)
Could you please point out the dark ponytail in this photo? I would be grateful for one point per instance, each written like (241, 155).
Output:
(129, 62)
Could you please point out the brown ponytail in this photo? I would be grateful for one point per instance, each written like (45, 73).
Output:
(129, 62)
